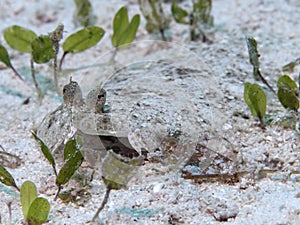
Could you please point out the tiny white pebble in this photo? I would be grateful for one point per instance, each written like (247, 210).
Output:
(157, 187)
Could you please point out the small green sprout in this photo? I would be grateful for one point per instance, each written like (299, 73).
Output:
(288, 93)
(254, 60)
(20, 38)
(42, 48)
(73, 159)
(198, 18)
(46, 152)
(124, 31)
(7, 179)
(256, 100)
(153, 12)
(83, 14)
(35, 209)
(81, 41)
(290, 67)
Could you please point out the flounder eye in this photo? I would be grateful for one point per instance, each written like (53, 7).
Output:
(100, 96)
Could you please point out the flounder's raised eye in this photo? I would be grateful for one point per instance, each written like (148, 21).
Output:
(64, 90)
(100, 96)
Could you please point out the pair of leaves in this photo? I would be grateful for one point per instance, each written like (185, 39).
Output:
(26, 41)
(288, 92)
(72, 157)
(41, 47)
(18, 38)
(256, 99)
(35, 209)
(124, 31)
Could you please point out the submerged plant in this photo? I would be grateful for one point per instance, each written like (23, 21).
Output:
(41, 48)
(73, 158)
(81, 40)
(197, 18)
(153, 12)
(7, 179)
(288, 93)
(124, 31)
(254, 60)
(256, 100)
(83, 14)
(35, 209)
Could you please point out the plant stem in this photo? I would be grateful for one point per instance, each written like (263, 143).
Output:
(265, 81)
(57, 193)
(55, 37)
(54, 169)
(9, 212)
(163, 36)
(102, 204)
(55, 70)
(38, 90)
(61, 61)
(16, 73)
(262, 124)
(112, 58)
(18, 189)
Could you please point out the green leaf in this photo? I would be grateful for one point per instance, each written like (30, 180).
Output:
(253, 55)
(247, 99)
(28, 194)
(70, 149)
(84, 13)
(42, 49)
(6, 178)
(287, 93)
(154, 15)
(286, 82)
(69, 168)
(112, 185)
(38, 211)
(4, 57)
(290, 67)
(256, 99)
(117, 170)
(83, 39)
(19, 38)
(124, 32)
(45, 150)
(129, 34)
(179, 14)
(120, 24)
(202, 11)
